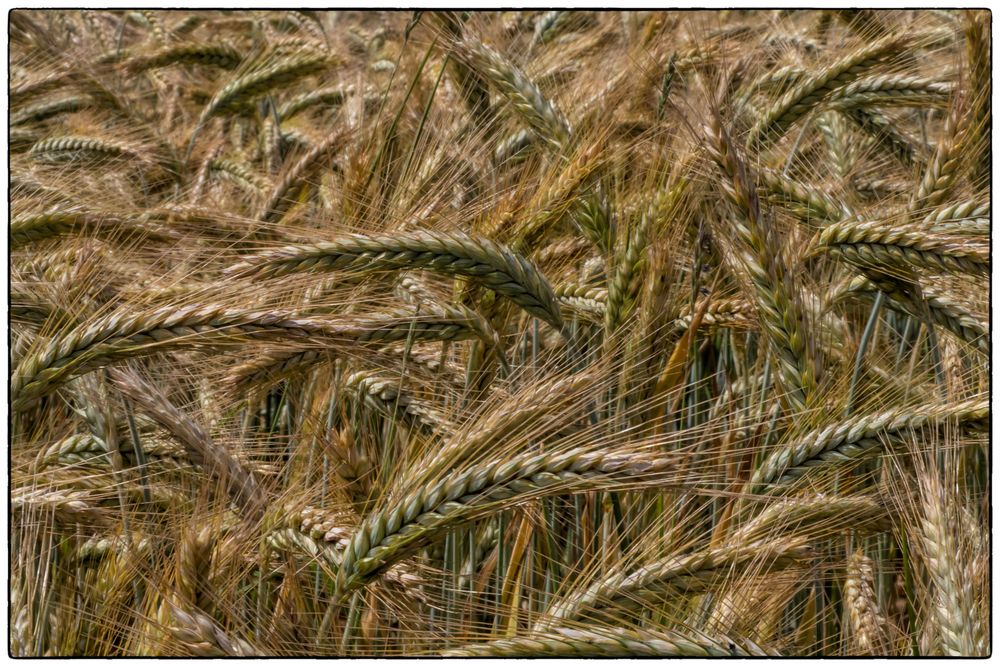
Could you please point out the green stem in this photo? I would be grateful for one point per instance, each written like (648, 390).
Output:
(862, 348)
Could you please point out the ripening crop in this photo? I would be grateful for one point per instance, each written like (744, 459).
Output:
(534, 333)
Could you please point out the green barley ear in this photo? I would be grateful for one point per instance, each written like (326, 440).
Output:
(240, 174)
(818, 86)
(274, 70)
(392, 532)
(758, 253)
(848, 440)
(836, 135)
(128, 333)
(472, 84)
(200, 634)
(215, 55)
(623, 288)
(295, 178)
(884, 245)
(33, 227)
(954, 609)
(688, 573)
(888, 136)
(540, 113)
(944, 168)
(594, 218)
(811, 205)
(331, 97)
(978, 50)
(65, 149)
(384, 394)
(46, 109)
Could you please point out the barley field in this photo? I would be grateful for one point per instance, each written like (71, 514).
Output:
(534, 333)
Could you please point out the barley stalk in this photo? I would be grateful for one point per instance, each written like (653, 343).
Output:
(939, 308)
(240, 482)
